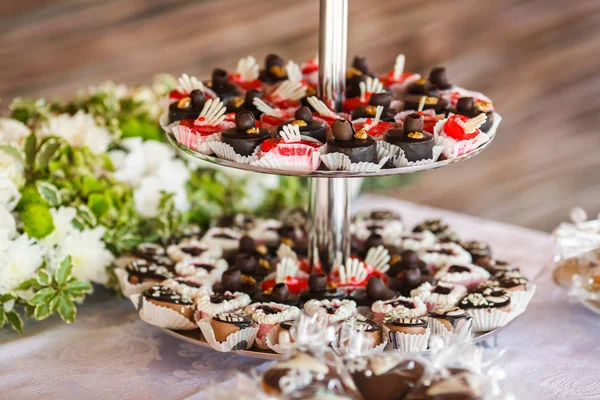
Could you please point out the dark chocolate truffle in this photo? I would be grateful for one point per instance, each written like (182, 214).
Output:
(274, 69)
(439, 78)
(303, 118)
(221, 86)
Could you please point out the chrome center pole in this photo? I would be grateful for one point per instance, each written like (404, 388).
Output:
(329, 204)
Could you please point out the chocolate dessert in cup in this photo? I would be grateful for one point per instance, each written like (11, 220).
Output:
(442, 254)
(445, 321)
(358, 335)
(246, 103)
(490, 308)
(206, 269)
(193, 248)
(223, 301)
(520, 289)
(221, 86)
(246, 136)
(229, 331)
(310, 127)
(163, 307)
(267, 316)
(370, 110)
(149, 251)
(471, 108)
(281, 337)
(385, 223)
(455, 383)
(423, 103)
(357, 73)
(188, 107)
(233, 280)
(357, 146)
(335, 310)
(140, 275)
(439, 295)
(409, 307)
(480, 252)
(468, 275)
(274, 71)
(439, 228)
(279, 293)
(407, 334)
(319, 289)
(416, 144)
(497, 267)
(189, 287)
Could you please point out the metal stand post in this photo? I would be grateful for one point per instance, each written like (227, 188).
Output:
(329, 204)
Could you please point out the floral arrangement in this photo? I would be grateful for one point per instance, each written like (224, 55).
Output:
(86, 180)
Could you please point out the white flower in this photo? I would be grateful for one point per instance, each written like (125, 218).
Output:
(9, 194)
(63, 226)
(88, 254)
(78, 130)
(8, 226)
(12, 131)
(19, 261)
(112, 89)
(150, 101)
(12, 169)
(151, 167)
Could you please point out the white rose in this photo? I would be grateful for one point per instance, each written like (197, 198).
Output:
(63, 226)
(8, 226)
(12, 169)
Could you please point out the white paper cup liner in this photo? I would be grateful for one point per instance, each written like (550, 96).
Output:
(226, 152)
(270, 340)
(240, 340)
(408, 342)
(164, 122)
(397, 158)
(261, 343)
(301, 157)
(453, 148)
(486, 319)
(520, 299)
(341, 162)
(128, 288)
(161, 316)
(343, 351)
(438, 329)
(185, 136)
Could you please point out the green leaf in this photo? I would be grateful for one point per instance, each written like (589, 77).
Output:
(53, 304)
(30, 149)
(91, 185)
(37, 221)
(64, 271)
(46, 152)
(77, 286)
(30, 195)
(6, 297)
(66, 309)
(29, 311)
(87, 215)
(49, 193)
(12, 151)
(44, 278)
(78, 223)
(15, 321)
(98, 204)
(42, 311)
(2, 318)
(28, 284)
(43, 296)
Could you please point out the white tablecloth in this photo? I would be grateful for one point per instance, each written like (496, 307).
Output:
(553, 349)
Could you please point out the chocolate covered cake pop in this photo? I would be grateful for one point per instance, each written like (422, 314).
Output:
(220, 84)
(357, 73)
(233, 280)
(358, 146)
(416, 143)
(303, 118)
(246, 136)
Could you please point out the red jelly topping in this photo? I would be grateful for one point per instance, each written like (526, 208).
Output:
(454, 128)
(202, 130)
(176, 95)
(377, 130)
(310, 67)
(354, 102)
(271, 120)
(295, 285)
(246, 85)
(270, 144)
(429, 121)
(388, 79)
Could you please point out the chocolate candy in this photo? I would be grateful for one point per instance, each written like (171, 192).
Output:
(308, 126)
(221, 86)
(417, 144)
(344, 141)
(245, 137)
(439, 78)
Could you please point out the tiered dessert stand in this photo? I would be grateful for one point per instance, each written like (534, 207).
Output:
(329, 201)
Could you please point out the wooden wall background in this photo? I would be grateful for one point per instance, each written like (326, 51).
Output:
(539, 60)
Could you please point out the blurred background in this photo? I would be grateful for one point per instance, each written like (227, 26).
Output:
(538, 61)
